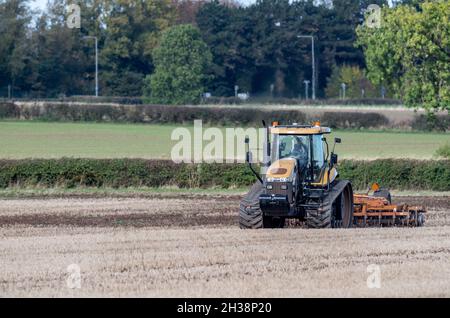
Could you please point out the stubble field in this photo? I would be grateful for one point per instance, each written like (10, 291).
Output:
(190, 246)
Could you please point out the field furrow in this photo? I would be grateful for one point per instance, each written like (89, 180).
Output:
(169, 247)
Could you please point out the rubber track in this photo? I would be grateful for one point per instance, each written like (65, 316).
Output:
(321, 218)
(250, 214)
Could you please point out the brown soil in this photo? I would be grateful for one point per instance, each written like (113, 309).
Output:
(183, 247)
(155, 212)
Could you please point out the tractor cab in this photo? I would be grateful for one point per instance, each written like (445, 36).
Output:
(302, 151)
(305, 145)
(299, 169)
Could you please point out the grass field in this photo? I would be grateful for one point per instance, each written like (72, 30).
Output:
(20, 140)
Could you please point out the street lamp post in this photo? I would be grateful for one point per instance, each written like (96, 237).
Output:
(313, 62)
(306, 89)
(344, 88)
(96, 61)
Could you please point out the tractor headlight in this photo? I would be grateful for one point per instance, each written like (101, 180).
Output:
(284, 187)
(269, 187)
(279, 179)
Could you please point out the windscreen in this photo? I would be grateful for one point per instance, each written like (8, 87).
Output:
(291, 146)
(308, 150)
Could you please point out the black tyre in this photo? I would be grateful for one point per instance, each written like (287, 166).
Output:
(250, 214)
(383, 193)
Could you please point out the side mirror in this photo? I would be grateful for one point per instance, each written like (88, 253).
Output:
(248, 156)
(338, 140)
(333, 159)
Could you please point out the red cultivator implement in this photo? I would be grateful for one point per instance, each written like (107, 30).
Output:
(370, 210)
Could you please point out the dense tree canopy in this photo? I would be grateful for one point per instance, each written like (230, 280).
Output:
(410, 53)
(14, 19)
(182, 60)
(133, 28)
(356, 83)
(256, 47)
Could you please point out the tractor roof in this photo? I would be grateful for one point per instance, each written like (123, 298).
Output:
(299, 130)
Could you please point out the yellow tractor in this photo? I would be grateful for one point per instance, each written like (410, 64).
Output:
(300, 180)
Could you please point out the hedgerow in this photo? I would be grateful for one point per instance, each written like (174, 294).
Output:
(123, 173)
(157, 114)
(220, 116)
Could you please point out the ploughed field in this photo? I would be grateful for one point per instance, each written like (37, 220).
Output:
(176, 245)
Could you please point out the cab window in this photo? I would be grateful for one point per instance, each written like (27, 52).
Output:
(318, 156)
(292, 146)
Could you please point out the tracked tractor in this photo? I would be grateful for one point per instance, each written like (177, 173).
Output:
(300, 180)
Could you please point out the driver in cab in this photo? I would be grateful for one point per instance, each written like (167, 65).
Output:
(300, 150)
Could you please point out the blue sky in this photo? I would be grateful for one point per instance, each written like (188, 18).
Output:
(39, 3)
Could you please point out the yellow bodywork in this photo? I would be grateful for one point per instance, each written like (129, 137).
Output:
(282, 168)
(324, 178)
(300, 130)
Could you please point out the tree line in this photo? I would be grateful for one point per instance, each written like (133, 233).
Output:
(173, 51)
